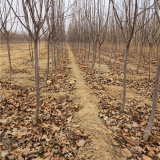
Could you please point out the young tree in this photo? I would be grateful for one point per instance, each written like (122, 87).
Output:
(33, 9)
(102, 29)
(151, 36)
(128, 30)
(155, 96)
(7, 23)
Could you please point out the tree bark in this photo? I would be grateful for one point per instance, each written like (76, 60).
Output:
(47, 60)
(124, 80)
(94, 56)
(88, 53)
(155, 97)
(115, 52)
(85, 57)
(157, 51)
(57, 51)
(9, 57)
(35, 117)
(55, 54)
(99, 61)
(149, 76)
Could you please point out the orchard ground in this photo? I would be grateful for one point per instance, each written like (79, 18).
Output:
(80, 116)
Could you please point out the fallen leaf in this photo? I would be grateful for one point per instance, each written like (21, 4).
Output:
(150, 154)
(126, 153)
(131, 141)
(69, 119)
(26, 151)
(49, 82)
(4, 153)
(146, 158)
(128, 125)
(4, 120)
(81, 143)
(65, 150)
(20, 158)
(55, 128)
(135, 125)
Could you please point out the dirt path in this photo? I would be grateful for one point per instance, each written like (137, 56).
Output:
(101, 140)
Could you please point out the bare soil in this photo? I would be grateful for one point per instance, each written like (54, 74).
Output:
(101, 140)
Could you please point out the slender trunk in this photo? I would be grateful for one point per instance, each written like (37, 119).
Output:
(85, 57)
(125, 75)
(32, 51)
(94, 56)
(119, 48)
(79, 46)
(136, 53)
(99, 61)
(144, 57)
(115, 53)
(52, 55)
(39, 47)
(62, 49)
(30, 54)
(9, 57)
(149, 64)
(155, 97)
(110, 56)
(55, 54)
(35, 118)
(57, 51)
(89, 53)
(157, 52)
(141, 50)
(47, 60)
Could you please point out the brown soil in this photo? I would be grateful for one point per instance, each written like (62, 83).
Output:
(23, 68)
(101, 140)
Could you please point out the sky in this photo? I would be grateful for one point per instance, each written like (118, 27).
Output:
(18, 27)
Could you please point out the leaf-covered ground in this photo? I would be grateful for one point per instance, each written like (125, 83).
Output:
(72, 95)
(127, 126)
(52, 138)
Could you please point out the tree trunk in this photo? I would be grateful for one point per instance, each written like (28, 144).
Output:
(79, 46)
(155, 97)
(85, 57)
(99, 61)
(57, 51)
(55, 54)
(141, 50)
(88, 53)
(32, 51)
(62, 50)
(136, 53)
(115, 52)
(47, 60)
(94, 56)
(30, 54)
(110, 56)
(157, 51)
(39, 47)
(149, 64)
(9, 57)
(52, 55)
(35, 117)
(124, 80)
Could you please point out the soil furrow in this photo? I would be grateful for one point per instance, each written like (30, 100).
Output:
(101, 140)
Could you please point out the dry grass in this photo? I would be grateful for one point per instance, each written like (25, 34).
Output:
(23, 69)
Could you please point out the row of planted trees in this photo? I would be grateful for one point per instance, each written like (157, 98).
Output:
(38, 20)
(94, 24)
(132, 24)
